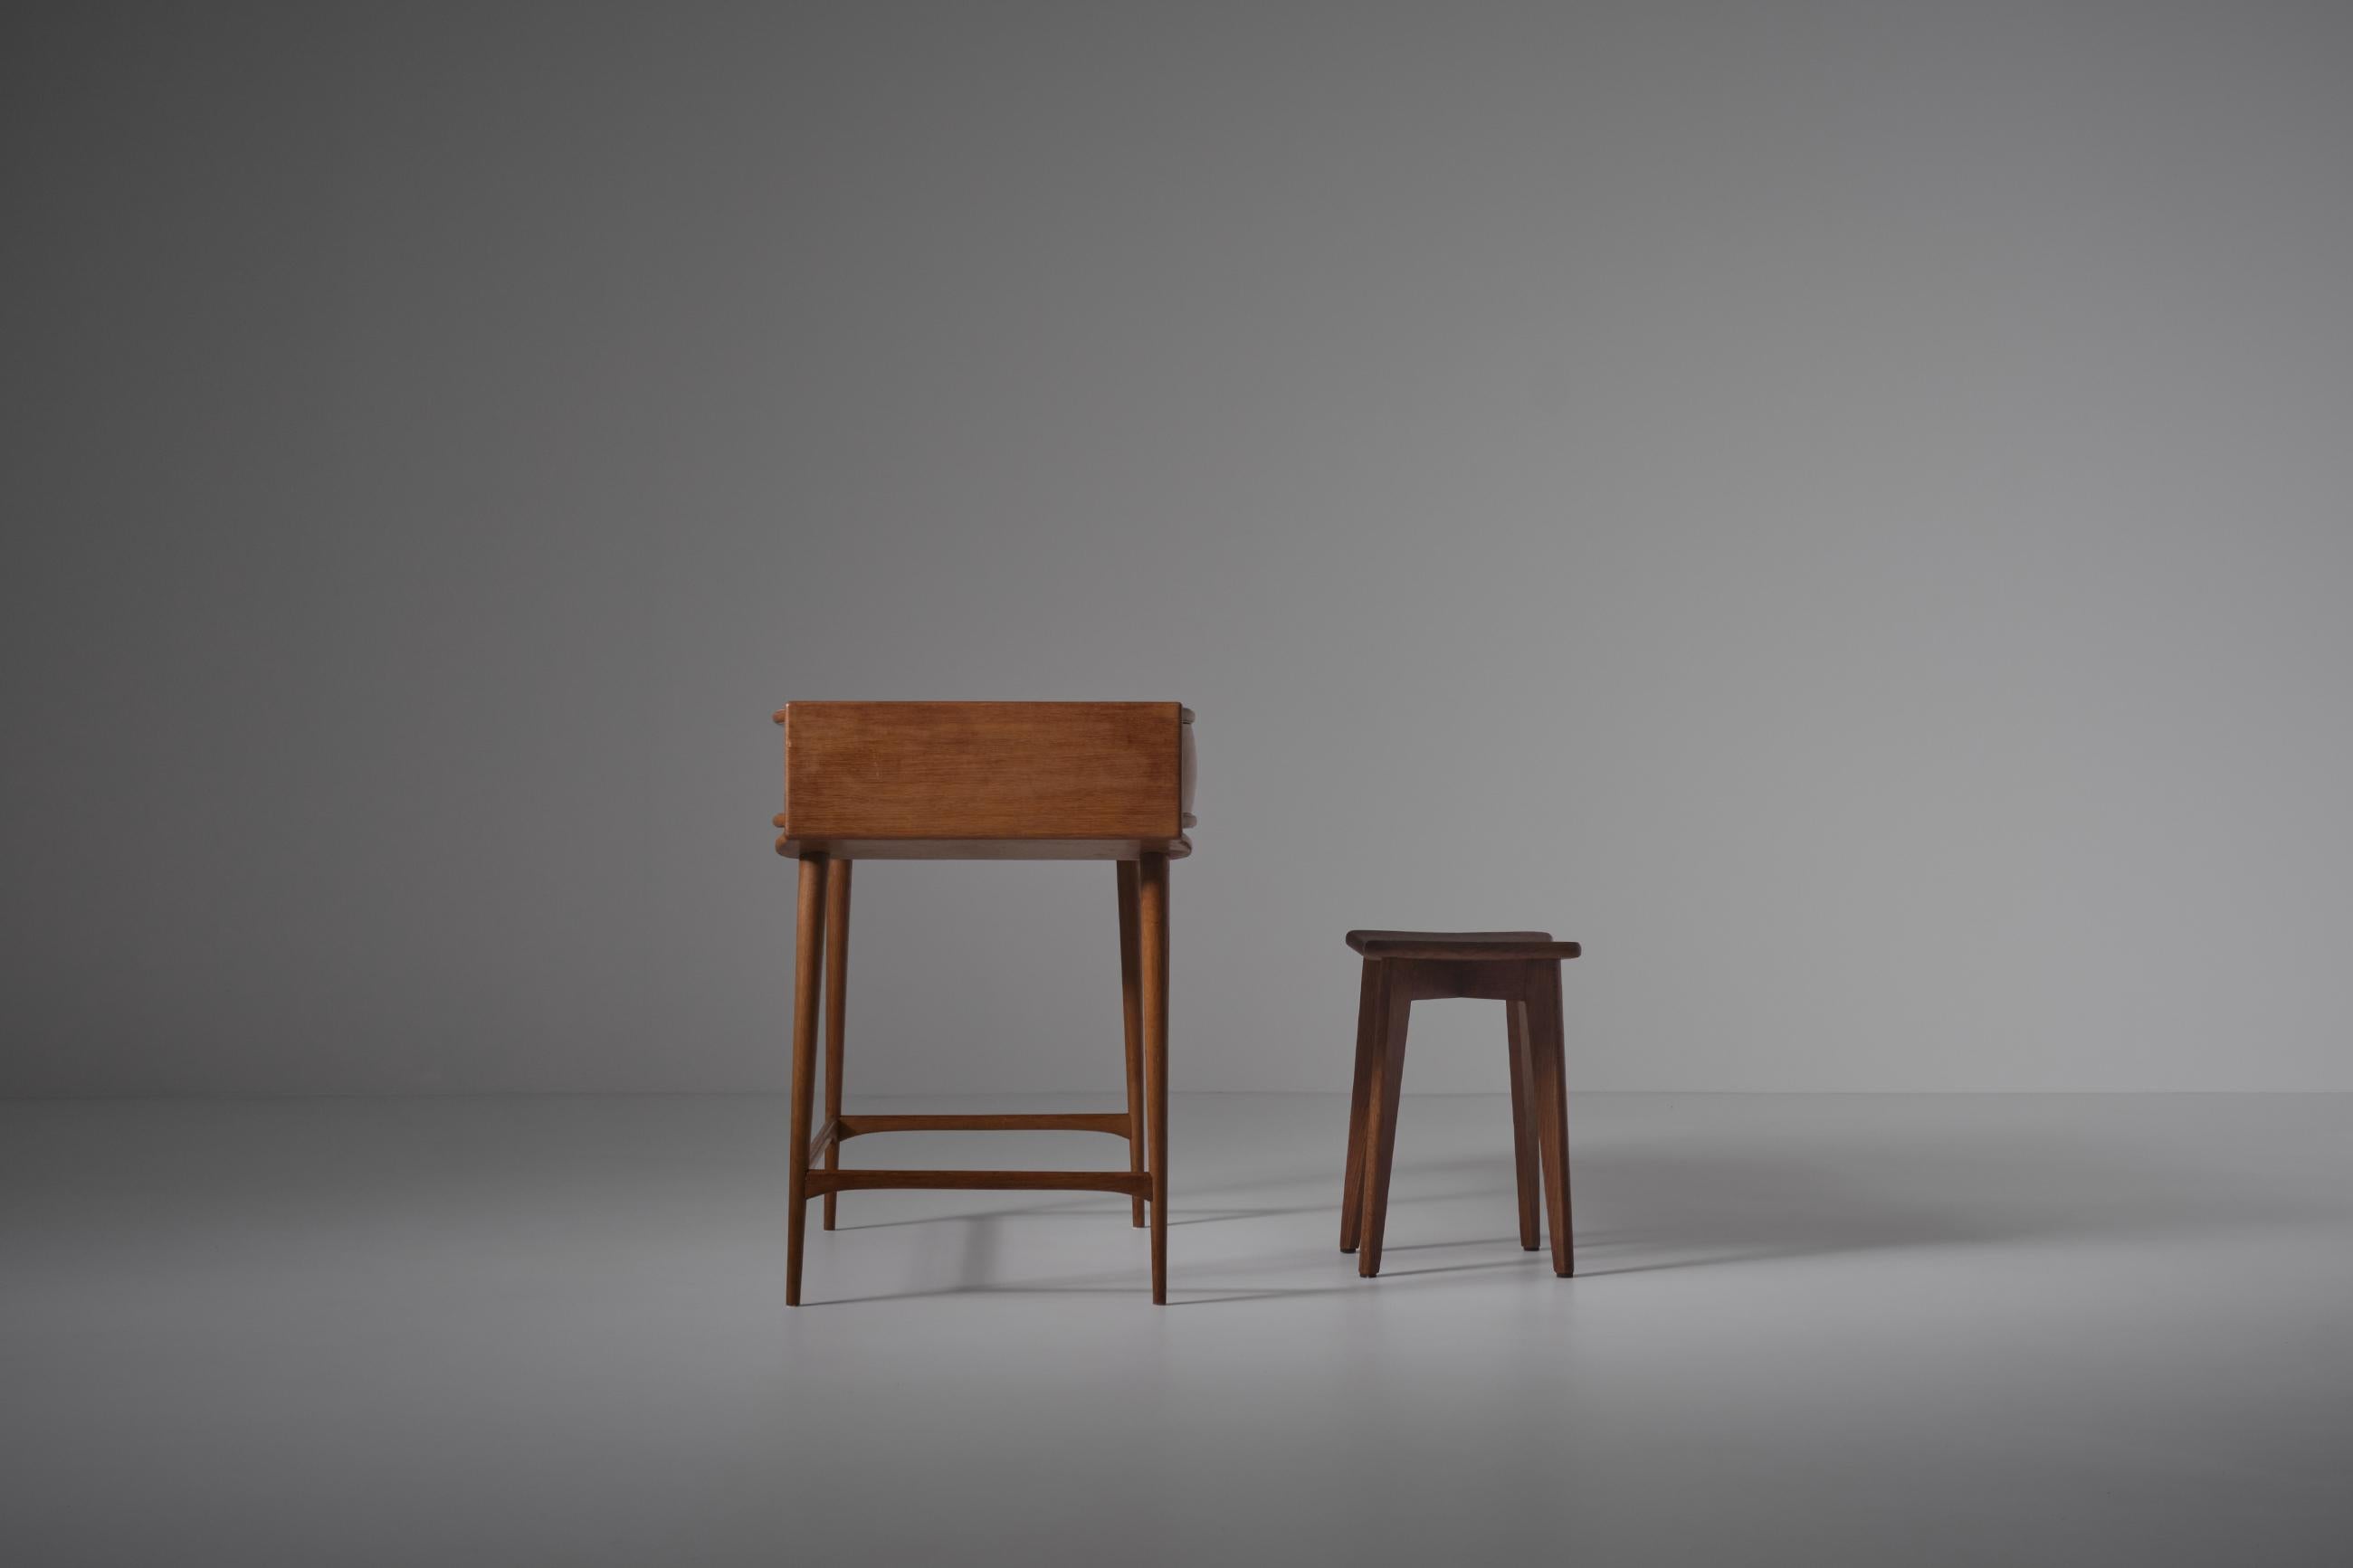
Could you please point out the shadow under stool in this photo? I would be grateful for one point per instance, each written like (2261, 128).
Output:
(1520, 969)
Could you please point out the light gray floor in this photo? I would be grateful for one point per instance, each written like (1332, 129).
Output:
(1835, 1330)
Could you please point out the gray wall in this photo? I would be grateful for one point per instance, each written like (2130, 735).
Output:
(1847, 509)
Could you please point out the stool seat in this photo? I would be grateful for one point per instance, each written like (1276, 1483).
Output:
(1460, 944)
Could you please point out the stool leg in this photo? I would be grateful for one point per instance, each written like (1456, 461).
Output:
(1525, 1165)
(1371, 996)
(837, 999)
(1152, 878)
(1381, 1120)
(808, 951)
(1131, 1007)
(1544, 1044)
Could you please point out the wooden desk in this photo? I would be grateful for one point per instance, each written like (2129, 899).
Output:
(983, 781)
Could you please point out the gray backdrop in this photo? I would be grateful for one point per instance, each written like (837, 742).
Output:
(1847, 509)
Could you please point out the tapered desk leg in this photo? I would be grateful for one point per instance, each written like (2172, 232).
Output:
(1152, 878)
(1372, 1001)
(1131, 1007)
(837, 1001)
(1381, 1123)
(1526, 1165)
(1546, 1045)
(808, 951)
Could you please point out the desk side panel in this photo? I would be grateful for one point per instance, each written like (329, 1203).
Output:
(982, 769)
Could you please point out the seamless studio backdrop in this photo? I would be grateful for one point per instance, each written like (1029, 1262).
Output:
(1847, 509)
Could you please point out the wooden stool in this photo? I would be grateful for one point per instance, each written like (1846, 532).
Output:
(983, 781)
(1520, 969)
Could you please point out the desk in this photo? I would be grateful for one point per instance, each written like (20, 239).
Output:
(983, 781)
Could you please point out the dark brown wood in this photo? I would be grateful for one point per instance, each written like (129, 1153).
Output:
(1490, 979)
(1381, 1122)
(1544, 1046)
(830, 1179)
(1447, 939)
(1152, 938)
(985, 848)
(1527, 1179)
(1522, 969)
(837, 998)
(1372, 998)
(1131, 1011)
(808, 952)
(1455, 945)
(980, 1181)
(1111, 1121)
(983, 770)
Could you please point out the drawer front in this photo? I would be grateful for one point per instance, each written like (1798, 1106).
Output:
(982, 769)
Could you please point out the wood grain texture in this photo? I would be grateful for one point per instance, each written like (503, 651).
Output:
(950, 771)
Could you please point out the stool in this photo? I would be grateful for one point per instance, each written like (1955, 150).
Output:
(1520, 969)
(983, 781)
